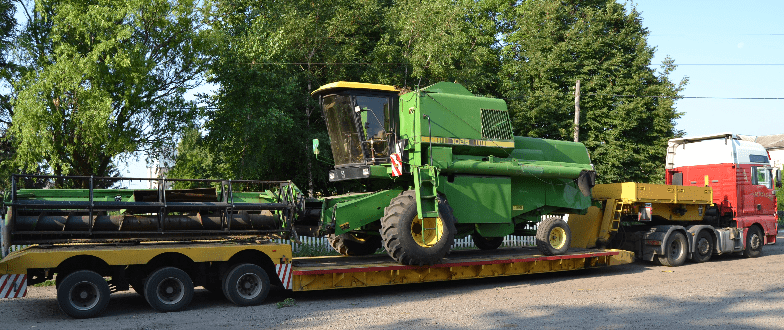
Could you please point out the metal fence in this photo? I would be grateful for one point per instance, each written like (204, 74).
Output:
(322, 243)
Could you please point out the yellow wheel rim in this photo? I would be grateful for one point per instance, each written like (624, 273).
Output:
(557, 238)
(428, 231)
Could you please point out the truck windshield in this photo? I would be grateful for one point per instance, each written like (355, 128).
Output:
(343, 135)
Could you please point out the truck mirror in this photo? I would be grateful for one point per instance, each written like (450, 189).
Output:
(315, 147)
(778, 178)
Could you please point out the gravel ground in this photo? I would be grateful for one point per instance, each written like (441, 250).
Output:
(727, 292)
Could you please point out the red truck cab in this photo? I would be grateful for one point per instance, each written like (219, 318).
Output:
(739, 173)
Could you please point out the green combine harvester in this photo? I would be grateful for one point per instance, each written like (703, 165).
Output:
(435, 164)
(441, 163)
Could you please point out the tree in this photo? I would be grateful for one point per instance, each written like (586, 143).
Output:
(628, 109)
(106, 78)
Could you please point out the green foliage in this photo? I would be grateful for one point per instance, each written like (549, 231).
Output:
(288, 302)
(314, 250)
(106, 78)
(549, 45)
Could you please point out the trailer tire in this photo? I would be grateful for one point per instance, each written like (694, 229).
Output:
(674, 250)
(486, 243)
(754, 243)
(355, 244)
(83, 294)
(168, 289)
(703, 248)
(553, 236)
(401, 224)
(246, 285)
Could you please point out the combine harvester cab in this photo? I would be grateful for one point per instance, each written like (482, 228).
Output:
(719, 198)
(441, 163)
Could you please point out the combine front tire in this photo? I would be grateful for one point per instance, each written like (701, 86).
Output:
(246, 285)
(168, 289)
(355, 244)
(553, 236)
(754, 242)
(674, 250)
(83, 294)
(414, 241)
(486, 243)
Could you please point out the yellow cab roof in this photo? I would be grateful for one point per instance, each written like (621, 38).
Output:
(352, 85)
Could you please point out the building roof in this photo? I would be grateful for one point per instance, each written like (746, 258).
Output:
(770, 142)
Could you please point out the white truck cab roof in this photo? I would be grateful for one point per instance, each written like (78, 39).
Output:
(723, 148)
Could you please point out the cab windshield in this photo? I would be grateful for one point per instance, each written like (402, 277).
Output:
(359, 128)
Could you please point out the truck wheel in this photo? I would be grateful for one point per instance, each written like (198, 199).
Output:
(83, 294)
(355, 244)
(486, 243)
(754, 242)
(553, 236)
(168, 289)
(414, 241)
(246, 285)
(674, 250)
(704, 247)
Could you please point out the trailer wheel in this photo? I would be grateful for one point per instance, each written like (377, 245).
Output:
(754, 242)
(355, 244)
(486, 243)
(414, 241)
(246, 285)
(168, 289)
(83, 294)
(704, 247)
(553, 236)
(674, 250)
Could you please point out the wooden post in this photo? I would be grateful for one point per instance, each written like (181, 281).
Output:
(577, 112)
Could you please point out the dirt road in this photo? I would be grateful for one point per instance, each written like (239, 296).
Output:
(727, 292)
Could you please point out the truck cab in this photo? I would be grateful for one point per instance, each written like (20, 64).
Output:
(739, 172)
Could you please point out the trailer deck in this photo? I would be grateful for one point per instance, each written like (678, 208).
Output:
(322, 273)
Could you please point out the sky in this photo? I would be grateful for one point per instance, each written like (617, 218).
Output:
(697, 34)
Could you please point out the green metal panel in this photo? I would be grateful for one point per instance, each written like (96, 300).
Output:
(353, 213)
(480, 199)
(495, 229)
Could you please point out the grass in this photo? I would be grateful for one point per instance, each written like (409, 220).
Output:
(318, 250)
(45, 283)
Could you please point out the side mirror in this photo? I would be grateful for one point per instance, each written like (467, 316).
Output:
(778, 178)
(315, 147)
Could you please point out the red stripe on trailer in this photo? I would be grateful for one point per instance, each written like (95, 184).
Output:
(457, 264)
(284, 274)
(13, 286)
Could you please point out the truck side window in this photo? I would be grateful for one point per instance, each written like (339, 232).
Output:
(763, 177)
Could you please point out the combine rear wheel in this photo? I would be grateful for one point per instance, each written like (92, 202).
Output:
(553, 236)
(355, 244)
(414, 241)
(674, 250)
(486, 243)
(83, 294)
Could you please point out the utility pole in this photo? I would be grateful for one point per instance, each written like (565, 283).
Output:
(577, 112)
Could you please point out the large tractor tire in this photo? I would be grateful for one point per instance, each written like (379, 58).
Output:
(553, 236)
(675, 250)
(355, 244)
(414, 241)
(486, 243)
(754, 242)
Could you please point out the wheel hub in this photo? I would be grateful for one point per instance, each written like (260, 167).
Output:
(84, 296)
(171, 291)
(703, 246)
(249, 285)
(428, 231)
(557, 237)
